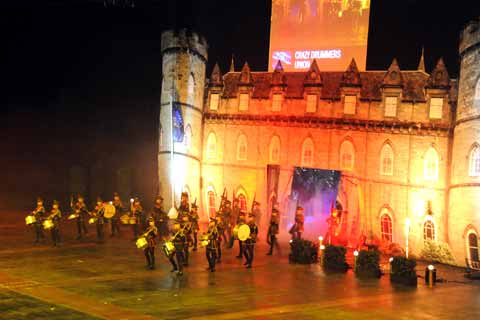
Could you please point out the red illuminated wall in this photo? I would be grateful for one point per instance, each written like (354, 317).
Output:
(330, 31)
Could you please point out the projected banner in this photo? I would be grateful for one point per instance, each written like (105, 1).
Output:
(330, 31)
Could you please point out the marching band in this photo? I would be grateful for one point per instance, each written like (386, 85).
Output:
(229, 224)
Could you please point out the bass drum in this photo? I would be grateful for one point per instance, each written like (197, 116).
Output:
(141, 243)
(109, 211)
(243, 232)
(168, 248)
(48, 224)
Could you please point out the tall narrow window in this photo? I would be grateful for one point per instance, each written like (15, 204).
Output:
(436, 108)
(187, 138)
(242, 202)
(274, 150)
(307, 153)
(243, 101)
(214, 101)
(474, 162)
(311, 103)
(430, 169)
(391, 106)
(386, 160)
(350, 104)
(191, 90)
(473, 247)
(277, 102)
(211, 203)
(211, 146)
(347, 155)
(242, 147)
(387, 227)
(429, 230)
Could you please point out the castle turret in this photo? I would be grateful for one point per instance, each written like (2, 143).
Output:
(184, 57)
(464, 191)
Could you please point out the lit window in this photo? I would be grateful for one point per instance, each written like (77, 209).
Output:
(243, 103)
(386, 160)
(242, 202)
(350, 104)
(211, 203)
(477, 90)
(274, 150)
(211, 146)
(391, 106)
(436, 108)
(473, 247)
(429, 230)
(311, 103)
(242, 147)
(214, 101)
(277, 102)
(347, 156)
(307, 153)
(387, 228)
(187, 137)
(430, 169)
(474, 166)
(191, 90)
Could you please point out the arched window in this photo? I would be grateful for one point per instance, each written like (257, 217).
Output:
(386, 226)
(307, 153)
(274, 150)
(242, 147)
(211, 203)
(386, 160)
(474, 162)
(191, 90)
(242, 201)
(211, 146)
(429, 230)
(430, 169)
(473, 246)
(187, 138)
(347, 155)
(477, 90)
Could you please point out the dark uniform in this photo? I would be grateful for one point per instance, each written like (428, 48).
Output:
(137, 212)
(250, 243)
(55, 215)
(150, 234)
(194, 217)
(212, 246)
(273, 231)
(184, 220)
(99, 215)
(240, 221)
(179, 240)
(81, 210)
(234, 217)
(39, 214)
(119, 209)
(161, 218)
(256, 212)
(297, 229)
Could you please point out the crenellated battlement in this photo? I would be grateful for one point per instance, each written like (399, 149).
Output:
(184, 39)
(470, 36)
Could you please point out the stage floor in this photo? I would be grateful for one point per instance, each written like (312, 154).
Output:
(88, 280)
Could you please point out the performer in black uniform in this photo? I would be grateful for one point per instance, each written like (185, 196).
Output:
(273, 231)
(137, 213)
(241, 220)
(119, 209)
(250, 242)
(297, 229)
(55, 215)
(98, 214)
(150, 234)
(184, 220)
(179, 240)
(80, 209)
(161, 218)
(234, 220)
(39, 214)
(213, 243)
(194, 217)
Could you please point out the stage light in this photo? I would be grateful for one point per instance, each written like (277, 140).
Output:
(430, 275)
(322, 247)
(320, 238)
(355, 253)
(291, 241)
(111, 202)
(431, 267)
(390, 260)
(131, 200)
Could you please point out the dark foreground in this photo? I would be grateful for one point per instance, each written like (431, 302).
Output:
(88, 280)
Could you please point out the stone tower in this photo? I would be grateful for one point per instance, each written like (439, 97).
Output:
(464, 191)
(184, 57)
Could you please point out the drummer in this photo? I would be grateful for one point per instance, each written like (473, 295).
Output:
(213, 244)
(194, 217)
(240, 221)
(81, 211)
(55, 215)
(100, 220)
(150, 234)
(273, 231)
(161, 218)
(184, 220)
(250, 242)
(117, 203)
(39, 214)
(179, 240)
(137, 214)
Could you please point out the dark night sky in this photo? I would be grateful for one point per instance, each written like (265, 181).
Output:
(81, 80)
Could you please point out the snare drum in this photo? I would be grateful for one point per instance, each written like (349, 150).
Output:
(73, 216)
(168, 248)
(125, 219)
(204, 241)
(141, 243)
(48, 224)
(92, 220)
(30, 220)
